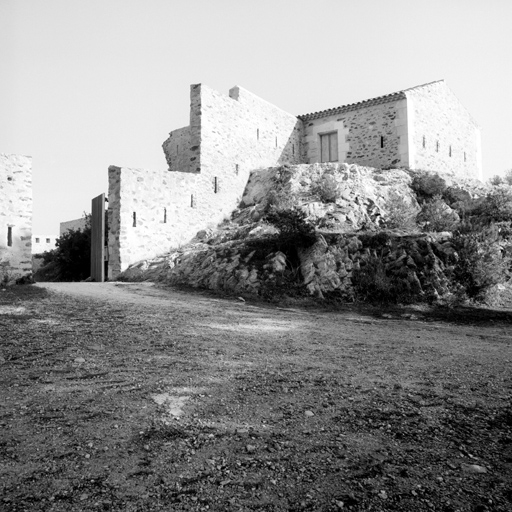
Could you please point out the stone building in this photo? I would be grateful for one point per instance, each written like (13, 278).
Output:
(15, 216)
(210, 160)
(74, 224)
(42, 243)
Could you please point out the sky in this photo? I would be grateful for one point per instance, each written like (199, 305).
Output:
(85, 84)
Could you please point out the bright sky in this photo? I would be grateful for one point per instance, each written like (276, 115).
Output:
(85, 84)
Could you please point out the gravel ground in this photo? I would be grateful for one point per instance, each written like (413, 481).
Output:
(127, 397)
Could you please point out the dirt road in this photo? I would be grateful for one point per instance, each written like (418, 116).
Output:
(127, 397)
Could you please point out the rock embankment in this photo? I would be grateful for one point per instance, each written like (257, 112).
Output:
(363, 236)
(327, 267)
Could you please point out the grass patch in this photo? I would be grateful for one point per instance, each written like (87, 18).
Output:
(21, 293)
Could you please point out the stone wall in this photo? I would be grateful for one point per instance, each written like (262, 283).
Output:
(209, 165)
(374, 135)
(445, 137)
(72, 224)
(15, 216)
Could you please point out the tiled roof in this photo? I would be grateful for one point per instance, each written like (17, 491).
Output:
(400, 95)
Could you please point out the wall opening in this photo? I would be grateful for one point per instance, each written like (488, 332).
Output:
(424, 142)
(134, 219)
(215, 184)
(37, 240)
(329, 147)
(192, 201)
(237, 169)
(382, 141)
(47, 240)
(464, 156)
(9, 236)
(165, 215)
(276, 141)
(293, 149)
(437, 146)
(258, 134)
(450, 151)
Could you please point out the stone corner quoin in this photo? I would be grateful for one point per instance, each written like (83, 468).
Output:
(229, 136)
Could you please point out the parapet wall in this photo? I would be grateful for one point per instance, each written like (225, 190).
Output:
(445, 138)
(209, 165)
(15, 216)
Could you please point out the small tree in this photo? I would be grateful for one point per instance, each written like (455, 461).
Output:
(71, 260)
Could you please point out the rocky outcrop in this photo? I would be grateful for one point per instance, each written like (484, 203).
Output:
(347, 204)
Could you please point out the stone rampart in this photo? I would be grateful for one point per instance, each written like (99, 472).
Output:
(209, 165)
(15, 216)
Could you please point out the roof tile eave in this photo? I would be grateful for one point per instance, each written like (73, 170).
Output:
(353, 106)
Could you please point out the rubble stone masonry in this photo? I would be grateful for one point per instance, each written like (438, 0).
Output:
(15, 216)
(209, 165)
(444, 136)
(373, 135)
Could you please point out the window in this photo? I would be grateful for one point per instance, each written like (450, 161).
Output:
(329, 147)
(134, 219)
(424, 142)
(9, 236)
(382, 141)
(450, 151)
(165, 215)
(47, 240)
(37, 240)
(215, 185)
(464, 156)
(437, 146)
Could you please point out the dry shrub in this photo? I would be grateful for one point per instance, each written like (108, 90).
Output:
(327, 188)
(373, 283)
(401, 214)
(427, 185)
(436, 215)
(482, 259)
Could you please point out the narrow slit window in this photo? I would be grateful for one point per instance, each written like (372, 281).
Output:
(464, 156)
(165, 215)
(450, 151)
(382, 141)
(424, 142)
(276, 142)
(293, 149)
(258, 134)
(437, 146)
(9, 236)
(134, 219)
(237, 169)
(192, 201)
(215, 184)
